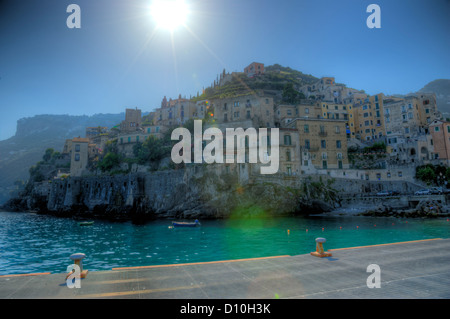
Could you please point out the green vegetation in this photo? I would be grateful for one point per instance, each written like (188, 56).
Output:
(375, 148)
(275, 78)
(109, 161)
(433, 174)
(290, 95)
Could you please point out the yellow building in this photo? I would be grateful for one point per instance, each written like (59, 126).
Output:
(323, 143)
(369, 118)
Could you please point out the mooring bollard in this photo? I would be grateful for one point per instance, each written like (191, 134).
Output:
(78, 260)
(319, 248)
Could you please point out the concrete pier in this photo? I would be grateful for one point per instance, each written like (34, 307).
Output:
(418, 269)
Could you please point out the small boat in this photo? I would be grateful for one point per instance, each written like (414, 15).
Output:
(86, 223)
(186, 224)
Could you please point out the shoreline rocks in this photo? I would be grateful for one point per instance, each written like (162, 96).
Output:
(424, 209)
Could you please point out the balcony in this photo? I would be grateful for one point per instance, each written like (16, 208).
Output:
(323, 134)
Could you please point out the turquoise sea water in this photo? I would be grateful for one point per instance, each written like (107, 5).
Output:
(31, 243)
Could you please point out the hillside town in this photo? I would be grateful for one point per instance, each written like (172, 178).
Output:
(332, 130)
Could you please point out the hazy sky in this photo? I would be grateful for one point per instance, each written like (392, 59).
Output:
(116, 60)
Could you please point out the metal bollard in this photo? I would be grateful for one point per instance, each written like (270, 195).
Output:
(78, 260)
(319, 248)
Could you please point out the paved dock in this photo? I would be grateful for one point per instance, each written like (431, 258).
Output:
(419, 269)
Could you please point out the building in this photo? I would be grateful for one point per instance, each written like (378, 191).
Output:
(289, 150)
(440, 134)
(95, 131)
(175, 112)
(80, 156)
(285, 113)
(258, 109)
(410, 116)
(254, 68)
(132, 122)
(327, 90)
(369, 118)
(323, 144)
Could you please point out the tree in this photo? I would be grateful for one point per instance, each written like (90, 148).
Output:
(109, 161)
(290, 95)
(48, 154)
(426, 174)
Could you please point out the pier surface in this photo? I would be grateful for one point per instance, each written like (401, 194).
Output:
(418, 269)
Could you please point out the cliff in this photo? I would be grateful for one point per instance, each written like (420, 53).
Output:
(34, 135)
(195, 192)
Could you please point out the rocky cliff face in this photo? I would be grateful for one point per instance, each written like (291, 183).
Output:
(189, 193)
(34, 135)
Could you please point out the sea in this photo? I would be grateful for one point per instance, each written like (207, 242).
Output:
(34, 243)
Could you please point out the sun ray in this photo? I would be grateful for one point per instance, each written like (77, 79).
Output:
(141, 50)
(175, 65)
(204, 45)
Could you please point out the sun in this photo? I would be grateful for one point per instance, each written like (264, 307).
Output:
(169, 14)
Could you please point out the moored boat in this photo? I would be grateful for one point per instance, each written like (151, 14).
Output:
(86, 223)
(186, 224)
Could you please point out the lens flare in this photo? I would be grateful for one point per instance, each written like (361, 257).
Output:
(169, 14)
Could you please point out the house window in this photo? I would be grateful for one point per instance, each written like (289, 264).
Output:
(288, 156)
(324, 164)
(287, 140)
(289, 112)
(323, 144)
(77, 147)
(400, 174)
(340, 164)
(225, 106)
(410, 115)
(306, 110)
(338, 144)
(289, 170)
(338, 130)
(307, 144)
(248, 115)
(77, 157)
(436, 128)
(306, 128)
